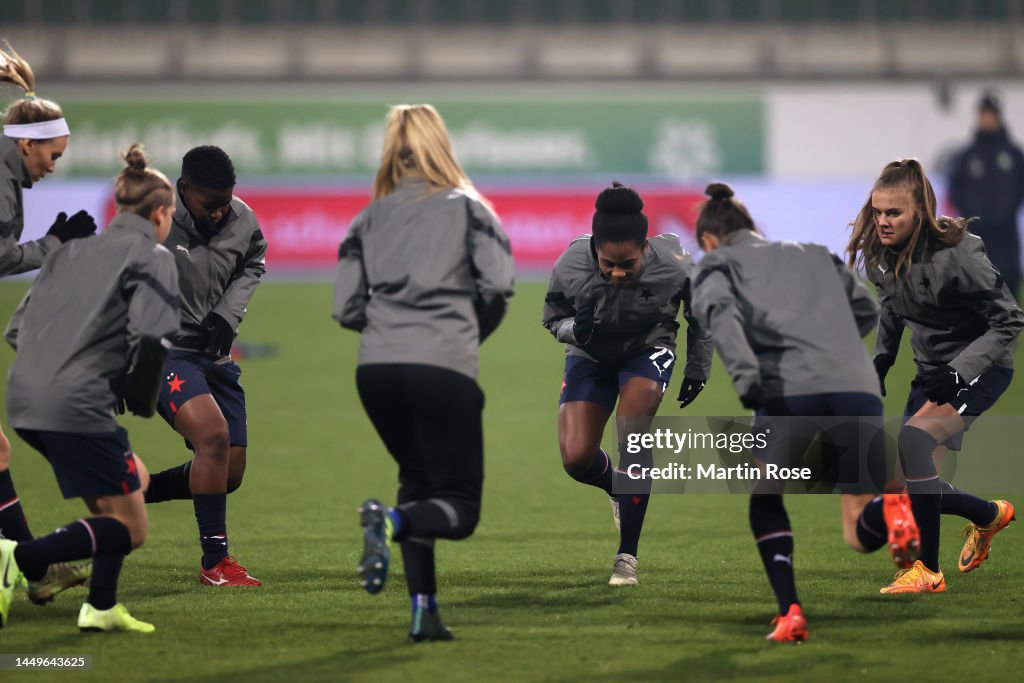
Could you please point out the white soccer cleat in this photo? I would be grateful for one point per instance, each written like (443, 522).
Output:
(615, 512)
(624, 571)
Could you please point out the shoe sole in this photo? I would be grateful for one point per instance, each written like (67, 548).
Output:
(978, 559)
(623, 581)
(373, 567)
(904, 537)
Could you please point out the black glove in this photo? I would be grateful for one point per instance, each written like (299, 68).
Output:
(943, 384)
(79, 225)
(883, 362)
(689, 390)
(220, 336)
(117, 385)
(583, 323)
(753, 399)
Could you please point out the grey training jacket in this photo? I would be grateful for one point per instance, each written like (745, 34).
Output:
(217, 275)
(95, 301)
(787, 315)
(958, 309)
(632, 318)
(14, 257)
(421, 273)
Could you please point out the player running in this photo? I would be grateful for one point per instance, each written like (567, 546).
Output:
(219, 250)
(933, 276)
(612, 300)
(35, 137)
(787, 320)
(74, 364)
(424, 274)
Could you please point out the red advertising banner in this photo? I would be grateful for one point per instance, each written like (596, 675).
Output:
(304, 226)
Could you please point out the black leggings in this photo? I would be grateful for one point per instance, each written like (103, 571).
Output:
(430, 420)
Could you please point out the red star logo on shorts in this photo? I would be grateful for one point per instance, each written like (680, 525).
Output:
(130, 462)
(175, 384)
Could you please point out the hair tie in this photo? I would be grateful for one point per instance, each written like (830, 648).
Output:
(30, 95)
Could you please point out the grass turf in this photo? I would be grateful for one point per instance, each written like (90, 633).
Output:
(527, 595)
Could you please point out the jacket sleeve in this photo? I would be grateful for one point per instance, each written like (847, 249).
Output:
(716, 310)
(699, 349)
(154, 314)
(862, 304)
(493, 268)
(14, 325)
(351, 289)
(235, 300)
(20, 258)
(559, 314)
(978, 285)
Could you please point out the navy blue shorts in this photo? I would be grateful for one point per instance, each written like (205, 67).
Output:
(972, 401)
(853, 452)
(187, 375)
(588, 380)
(87, 465)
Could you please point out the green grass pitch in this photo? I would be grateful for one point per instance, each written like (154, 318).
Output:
(527, 595)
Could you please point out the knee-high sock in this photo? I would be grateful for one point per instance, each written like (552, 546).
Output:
(958, 502)
(633, 496)
(13, 525)
(418, 560)
(92, 537)
(871, 530)
(171, 484)
(599, 472)
(774, 537)
(916, 446)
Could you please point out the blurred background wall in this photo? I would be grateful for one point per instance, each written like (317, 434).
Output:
(798, 103)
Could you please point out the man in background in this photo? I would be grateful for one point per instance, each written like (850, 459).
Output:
(987, 181)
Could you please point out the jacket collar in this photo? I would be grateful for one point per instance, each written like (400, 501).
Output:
(11, 158)
(130, 222)
(741, 237)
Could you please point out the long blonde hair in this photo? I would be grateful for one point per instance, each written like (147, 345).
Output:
(865, 249)
(30, 109)
(416, 142)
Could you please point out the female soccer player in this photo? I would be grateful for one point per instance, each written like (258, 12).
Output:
(613, 301)
(424, 274)
(74, 364)
(35, 136)
(933, 276)
(220, 253)
(787, 320)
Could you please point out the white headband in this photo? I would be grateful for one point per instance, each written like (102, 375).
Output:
(44, 130)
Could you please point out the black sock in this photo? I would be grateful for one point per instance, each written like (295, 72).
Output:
(871, 530)
(211, 515)
(92, 537)
(418, 560)
(13, 525)
(450, 517)
(633, 496)
(600, 472)
(170, 484)
(923, 485)
(103, 584)
(958, 502)
(774, 538)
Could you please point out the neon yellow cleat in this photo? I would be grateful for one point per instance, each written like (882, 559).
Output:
(10, 578)
(114, 619)
(59, 577)
(917, 579)
(979, 538)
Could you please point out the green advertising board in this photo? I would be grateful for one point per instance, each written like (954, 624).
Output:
(672, 137)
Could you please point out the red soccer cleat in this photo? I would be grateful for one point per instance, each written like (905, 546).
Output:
(791, 628)
(904, 537)
(227, 572)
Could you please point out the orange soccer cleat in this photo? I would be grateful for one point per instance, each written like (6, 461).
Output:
(979, 538)
(791, 628)
(917, 579)
(904, 537)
